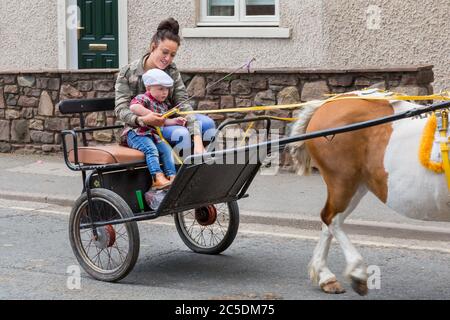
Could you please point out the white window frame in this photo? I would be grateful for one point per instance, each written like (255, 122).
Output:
(239, 18)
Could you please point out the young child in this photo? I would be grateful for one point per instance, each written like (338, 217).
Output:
(145, 138)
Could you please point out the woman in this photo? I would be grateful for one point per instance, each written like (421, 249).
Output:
(163, 48)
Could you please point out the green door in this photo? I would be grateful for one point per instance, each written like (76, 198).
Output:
(98, 39)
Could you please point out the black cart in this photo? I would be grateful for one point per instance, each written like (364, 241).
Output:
(103, 228)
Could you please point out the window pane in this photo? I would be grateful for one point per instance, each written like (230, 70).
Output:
(221, 8)
(260, 7)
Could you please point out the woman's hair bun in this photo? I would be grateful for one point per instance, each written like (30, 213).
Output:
(169, 24)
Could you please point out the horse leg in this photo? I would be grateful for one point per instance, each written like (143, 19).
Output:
(356, 269)
(318, 270)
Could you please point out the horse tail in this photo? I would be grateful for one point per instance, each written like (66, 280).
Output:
(300, 156)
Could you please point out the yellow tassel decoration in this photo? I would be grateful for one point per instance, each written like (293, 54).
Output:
(426, 146)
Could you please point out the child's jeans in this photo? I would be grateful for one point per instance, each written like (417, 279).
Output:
(180, 138)
(153, 152)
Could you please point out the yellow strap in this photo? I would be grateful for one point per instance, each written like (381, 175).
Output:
(297, 105)
(250, 126)
(393, 97)
(283, 119)
(246, 109)
(171, 112)
(177, 158)
(158, 129)
(445, 147)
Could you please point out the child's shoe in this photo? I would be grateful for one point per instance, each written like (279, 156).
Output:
(160, 182)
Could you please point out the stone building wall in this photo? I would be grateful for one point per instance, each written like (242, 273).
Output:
(30, 121)
(29, 118)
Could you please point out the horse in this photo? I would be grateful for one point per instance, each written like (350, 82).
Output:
(381, 159)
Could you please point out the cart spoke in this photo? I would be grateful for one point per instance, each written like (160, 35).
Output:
(122, 259)
(207, 236)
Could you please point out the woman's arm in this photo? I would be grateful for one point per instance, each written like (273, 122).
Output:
(123, 98)
(145, 116)
(139, 109)
(123, 94)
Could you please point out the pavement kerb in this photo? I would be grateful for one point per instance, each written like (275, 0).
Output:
(37, 197)
(394, 230)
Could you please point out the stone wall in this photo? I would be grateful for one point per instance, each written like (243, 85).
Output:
(275, 86)
(30, 121)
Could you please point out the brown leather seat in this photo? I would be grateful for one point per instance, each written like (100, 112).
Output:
(107, 154)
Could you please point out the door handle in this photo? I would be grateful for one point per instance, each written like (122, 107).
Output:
(98, 46)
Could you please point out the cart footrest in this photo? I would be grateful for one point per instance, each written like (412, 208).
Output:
(210, 182)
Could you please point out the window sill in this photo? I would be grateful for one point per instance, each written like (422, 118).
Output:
(237, 32)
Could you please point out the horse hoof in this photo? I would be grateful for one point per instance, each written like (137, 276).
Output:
(360, 286)
(332, 287)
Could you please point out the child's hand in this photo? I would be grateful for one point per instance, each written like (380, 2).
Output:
(180, 121)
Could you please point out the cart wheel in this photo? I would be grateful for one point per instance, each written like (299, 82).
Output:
(209, 230)
(112, 253)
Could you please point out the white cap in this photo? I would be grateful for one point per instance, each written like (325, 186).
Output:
(154, 77)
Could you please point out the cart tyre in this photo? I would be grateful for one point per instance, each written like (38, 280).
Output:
(123, 210)
(228, 238)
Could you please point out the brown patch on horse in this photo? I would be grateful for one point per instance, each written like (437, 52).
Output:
(351, 159)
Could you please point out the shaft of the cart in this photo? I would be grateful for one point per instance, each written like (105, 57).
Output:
(225, 175)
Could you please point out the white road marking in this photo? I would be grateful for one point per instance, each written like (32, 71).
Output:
(359, 242)
(45, 168)
(266, 233)
(20, 208)
(37, 210)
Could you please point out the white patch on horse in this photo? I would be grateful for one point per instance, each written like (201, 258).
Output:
(413, 190)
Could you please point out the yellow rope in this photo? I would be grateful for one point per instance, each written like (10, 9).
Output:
(158, 129)
(177, 158)
(426, 146)
(394, 97)
(250, 126)
(245, 109)
(398, 97)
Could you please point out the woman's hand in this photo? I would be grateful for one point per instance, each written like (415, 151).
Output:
(180, 121)
(153, 119)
